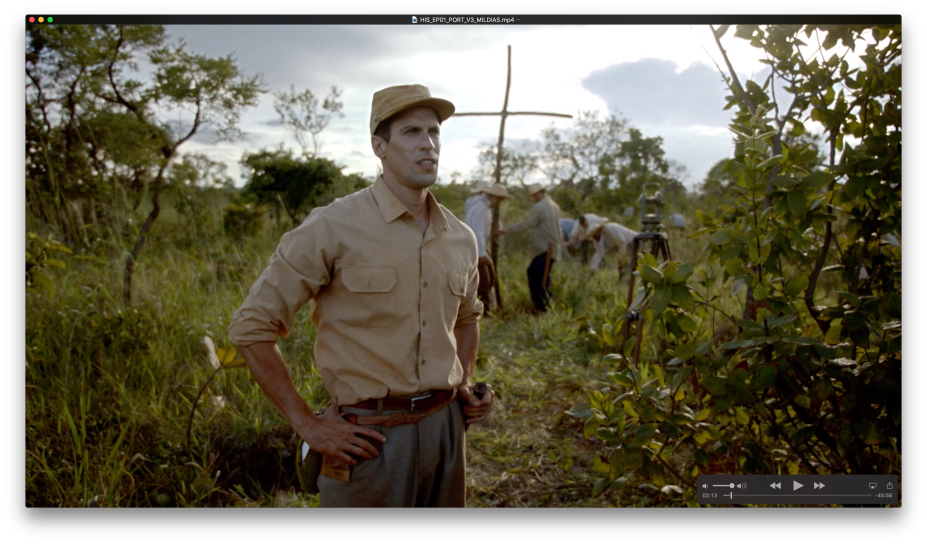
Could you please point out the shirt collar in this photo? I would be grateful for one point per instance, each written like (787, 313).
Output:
(437, 217)
(392, 208)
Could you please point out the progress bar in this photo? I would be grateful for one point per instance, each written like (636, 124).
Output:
(798, 489)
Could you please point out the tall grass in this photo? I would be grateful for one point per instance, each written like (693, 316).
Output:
(110, 388)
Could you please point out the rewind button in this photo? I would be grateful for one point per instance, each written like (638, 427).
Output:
(776, 485)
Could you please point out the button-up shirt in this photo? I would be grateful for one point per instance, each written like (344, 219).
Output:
(615, 237)
(544, 218)
(478, 217)
(384, 297)
(469, 203)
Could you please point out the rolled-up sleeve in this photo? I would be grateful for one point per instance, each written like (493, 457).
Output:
(471, 309)
(296, 271)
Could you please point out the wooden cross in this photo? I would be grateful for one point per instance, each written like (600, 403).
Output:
(494, 248)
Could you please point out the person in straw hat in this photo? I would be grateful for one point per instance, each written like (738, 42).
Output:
(610, 236)
(477, 190)
(479, 219)
(391, 277)
(578, 235)
(544, 219)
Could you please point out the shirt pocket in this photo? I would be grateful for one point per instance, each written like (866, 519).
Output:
(369, 279)
(457, 281)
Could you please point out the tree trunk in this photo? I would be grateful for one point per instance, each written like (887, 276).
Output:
(140, 241)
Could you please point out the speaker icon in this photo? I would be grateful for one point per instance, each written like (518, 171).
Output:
(742, 486)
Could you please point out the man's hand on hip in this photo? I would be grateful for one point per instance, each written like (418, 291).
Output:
(333, 436)
(328, 434)
(475, 409)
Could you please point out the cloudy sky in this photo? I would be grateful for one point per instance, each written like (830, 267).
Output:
(662, 79)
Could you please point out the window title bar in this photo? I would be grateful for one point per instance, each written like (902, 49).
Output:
(461, 19)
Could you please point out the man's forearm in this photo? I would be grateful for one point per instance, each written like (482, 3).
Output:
(270, 372)
(468, 342)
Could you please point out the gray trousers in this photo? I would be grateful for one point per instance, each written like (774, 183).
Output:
(421, 464)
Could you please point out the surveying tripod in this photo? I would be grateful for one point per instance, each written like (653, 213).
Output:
(652, 232)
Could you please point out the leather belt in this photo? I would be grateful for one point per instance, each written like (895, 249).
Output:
(415, 408)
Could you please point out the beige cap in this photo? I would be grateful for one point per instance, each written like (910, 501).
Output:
(535, 187)
(392, 100)
(498, 190)
(480, 187)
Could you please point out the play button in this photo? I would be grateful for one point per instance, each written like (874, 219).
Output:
(796, 486)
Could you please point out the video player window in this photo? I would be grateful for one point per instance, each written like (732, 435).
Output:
(463, 260)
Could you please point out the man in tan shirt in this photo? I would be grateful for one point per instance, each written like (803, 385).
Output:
(391, 278)
(547, 242)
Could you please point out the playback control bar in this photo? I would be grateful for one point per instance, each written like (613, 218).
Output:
(798, 489)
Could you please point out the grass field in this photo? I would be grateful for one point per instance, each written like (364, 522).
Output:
(111, 388)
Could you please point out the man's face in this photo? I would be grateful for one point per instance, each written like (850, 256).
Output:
(538, 196)
(411, 155)
(494, 201)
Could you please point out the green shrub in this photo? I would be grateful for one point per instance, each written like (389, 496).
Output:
(242, 220)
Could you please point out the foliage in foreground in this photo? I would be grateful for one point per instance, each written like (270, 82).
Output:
(812, 383)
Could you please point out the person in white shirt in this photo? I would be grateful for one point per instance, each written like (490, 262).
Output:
(478, 217)
(611, 237)
(478, 189)
(583, 224)
(578, 236)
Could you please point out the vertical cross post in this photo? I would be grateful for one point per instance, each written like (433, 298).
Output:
(497, 175)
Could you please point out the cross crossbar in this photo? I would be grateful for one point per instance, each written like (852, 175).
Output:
(494, 247)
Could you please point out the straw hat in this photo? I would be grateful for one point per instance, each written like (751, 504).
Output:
(480, 187)
(392, 100)
(534, 188)
(497, 189)
(590, 232)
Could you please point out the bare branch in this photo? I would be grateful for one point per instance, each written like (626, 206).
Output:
(738, 88)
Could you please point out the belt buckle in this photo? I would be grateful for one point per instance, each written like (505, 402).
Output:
(412, 401)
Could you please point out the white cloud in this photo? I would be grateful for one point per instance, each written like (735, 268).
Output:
(561, 69)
